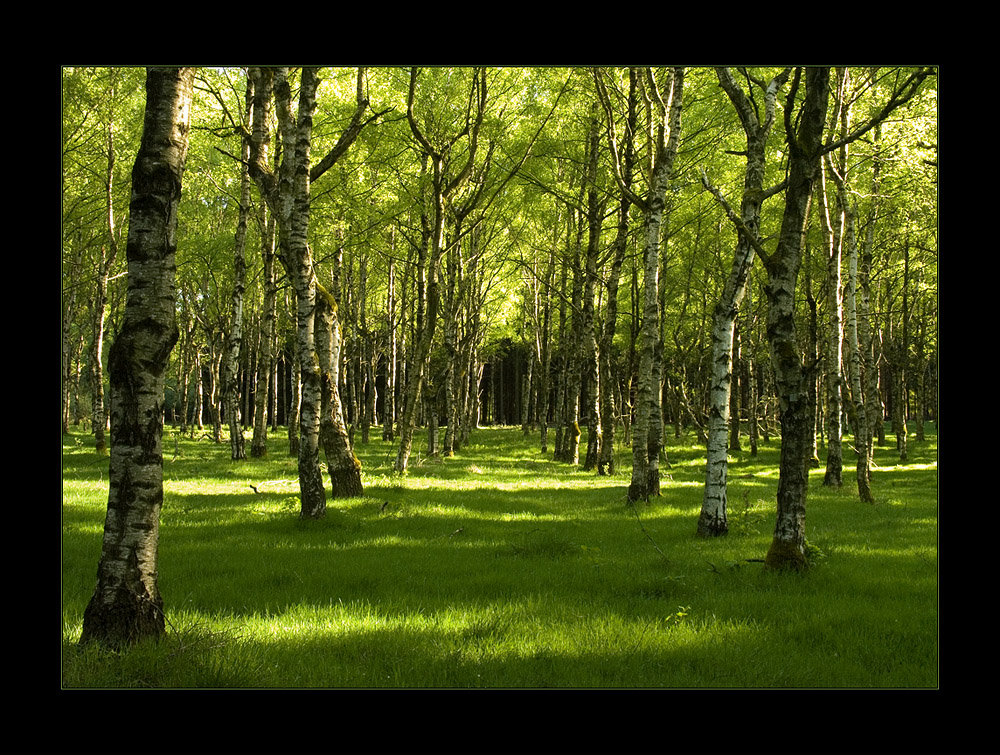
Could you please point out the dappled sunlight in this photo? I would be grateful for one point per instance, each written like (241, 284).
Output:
(497, 395)
(508, 575)
(526, 641)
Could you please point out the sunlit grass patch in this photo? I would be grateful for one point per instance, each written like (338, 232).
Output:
(501, 568)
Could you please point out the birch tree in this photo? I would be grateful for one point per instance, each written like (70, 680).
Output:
(833, 218)
(589, 345)
(791, 374)
(266, 360)
(234, 339)
(127, 606)
(288, 194)
(107, 255)
(342, 465)
(757, 127)
(856, 315)
(804, 134)
(664, 104)
(439, 149)
(864, 372)
(610, 411)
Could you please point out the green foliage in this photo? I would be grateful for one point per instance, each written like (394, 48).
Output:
(501, 568)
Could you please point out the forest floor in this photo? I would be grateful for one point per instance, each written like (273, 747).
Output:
(500, 568)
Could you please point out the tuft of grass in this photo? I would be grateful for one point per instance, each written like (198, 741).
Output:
(502, 568)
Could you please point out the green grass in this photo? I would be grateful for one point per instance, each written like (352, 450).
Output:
(500, 568)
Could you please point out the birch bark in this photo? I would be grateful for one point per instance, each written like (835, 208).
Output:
(293, 225)
(343, 466)
(862, 433)
(791, 375)
(71, 277)
(833, 354)
(572, 376)
(444, 184)
(610, 411)
(127, 606)
(454, 302)
(105, 262)
(258, 446)
(664, 139)
(868, 367)
(590, 348)
(389, 405)
(234, 341)
(288, 194)
(713, 520)
(833, 231)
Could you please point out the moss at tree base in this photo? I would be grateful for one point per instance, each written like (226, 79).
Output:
(783, 556)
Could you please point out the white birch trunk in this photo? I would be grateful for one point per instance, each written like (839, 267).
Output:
(265, 370)
(713, 520)
(646, 430)
(234, 342)
(127, 606)
(862, 433)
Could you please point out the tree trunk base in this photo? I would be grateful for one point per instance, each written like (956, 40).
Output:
(785, 556)
(638, 492)
(127, 621)
(653, 483)
(346, 483)
(712, 526)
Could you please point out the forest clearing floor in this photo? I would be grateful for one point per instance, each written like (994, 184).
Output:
(501, 568)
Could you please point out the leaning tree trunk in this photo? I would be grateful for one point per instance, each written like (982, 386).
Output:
(289, 194)
(714, 518)
(342, 465)
(127, 606)
(427, 300)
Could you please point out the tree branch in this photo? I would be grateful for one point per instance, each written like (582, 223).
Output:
(734, 218)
